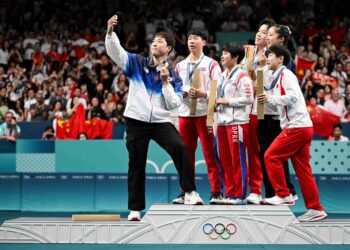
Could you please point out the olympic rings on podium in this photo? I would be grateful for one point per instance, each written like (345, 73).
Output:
(219, 230)
(211, 228)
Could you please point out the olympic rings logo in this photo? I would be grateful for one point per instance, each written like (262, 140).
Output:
(219, 230)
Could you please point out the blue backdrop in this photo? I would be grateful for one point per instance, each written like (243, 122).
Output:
(88, 176)
(34, 130)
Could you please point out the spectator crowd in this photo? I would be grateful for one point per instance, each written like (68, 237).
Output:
(52, 53)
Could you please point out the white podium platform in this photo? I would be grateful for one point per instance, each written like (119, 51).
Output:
(184, 224)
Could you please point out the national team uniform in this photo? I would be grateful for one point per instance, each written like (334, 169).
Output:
(294, 140)
(253, 148)
(233, 131)
(148, 117)
(268, 129)
(193, 127)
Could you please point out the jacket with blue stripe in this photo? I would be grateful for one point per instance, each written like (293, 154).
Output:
(148, 99)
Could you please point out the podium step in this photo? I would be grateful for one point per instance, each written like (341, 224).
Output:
(183, 224)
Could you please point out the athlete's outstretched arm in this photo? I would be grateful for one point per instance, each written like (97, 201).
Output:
(113, 47)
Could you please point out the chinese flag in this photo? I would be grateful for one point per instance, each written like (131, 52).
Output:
(99, 129)
(302, 66)
(323, 120)
(94, 128)
(70, 129)
(325, 79)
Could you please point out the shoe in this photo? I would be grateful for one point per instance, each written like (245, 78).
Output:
(312, 215)
(276, 200)
(180, 199)
(295, 197)
(254, 199)
(193, 198)
(240, 202)
(134, 216)
(229, 200)
(216, 198)
(263, 202)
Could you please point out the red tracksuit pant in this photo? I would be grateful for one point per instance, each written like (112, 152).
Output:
(293, 143)
(255, 172)
(190, 129)
(232, 150)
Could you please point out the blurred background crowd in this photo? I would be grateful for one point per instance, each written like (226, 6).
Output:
(52, 53)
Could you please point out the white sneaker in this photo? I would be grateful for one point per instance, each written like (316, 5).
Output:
(254, 199)
(134, 216)
(193, 198)
(312, 215)
(180, 199)
(276, 200)
(230, 200)
(295, 197)
(234, 201)
(240, 202)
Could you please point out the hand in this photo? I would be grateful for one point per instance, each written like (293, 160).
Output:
(184, 94)
(262, 98)
(111, 23)
(164, 75)
(11, 138)
(223, 101)
(210, 129)
(255, 87)
(197, 93)
(252, 74)
(262, 60)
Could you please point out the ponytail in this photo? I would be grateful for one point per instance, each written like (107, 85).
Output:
(287, 32)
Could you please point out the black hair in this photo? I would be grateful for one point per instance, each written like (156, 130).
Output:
(268, 21)
(198, 32)
(82, 133)
(235, 50)
(282, 32)
(287, 33)
(72, 102)
(279, 50)
(169, 38)
(47, 128)
(338, 126)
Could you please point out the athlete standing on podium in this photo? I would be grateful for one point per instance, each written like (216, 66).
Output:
(234, 97)
(269, 128)
(192, 127)
(294, 140)
(154, 90)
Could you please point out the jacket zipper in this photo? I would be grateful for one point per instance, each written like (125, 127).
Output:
(150, 98)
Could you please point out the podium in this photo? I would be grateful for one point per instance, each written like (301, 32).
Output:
(184, 224)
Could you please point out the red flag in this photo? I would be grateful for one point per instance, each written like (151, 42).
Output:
(99, 129)
(70, 129)
(302, 66)
(323, 120)
(325, 79)
(94, 128)
(72, 89)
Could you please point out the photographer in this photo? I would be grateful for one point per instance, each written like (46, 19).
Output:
(9, 130)
(49, 134)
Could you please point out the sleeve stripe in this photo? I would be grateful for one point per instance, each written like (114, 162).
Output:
(177, 68)
(212, 65)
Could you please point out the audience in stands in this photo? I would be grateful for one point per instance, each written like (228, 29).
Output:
(51, 61)
(9, 130)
